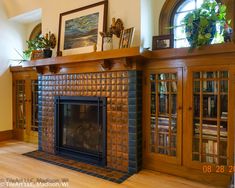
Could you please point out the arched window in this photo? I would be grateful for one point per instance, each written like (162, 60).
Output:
(173, 11)
(183, 8)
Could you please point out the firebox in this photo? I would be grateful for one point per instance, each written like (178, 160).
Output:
(80, 125)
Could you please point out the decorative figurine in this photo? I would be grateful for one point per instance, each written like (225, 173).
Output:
(227, 33)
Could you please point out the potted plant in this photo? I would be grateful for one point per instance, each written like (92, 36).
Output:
(49, 43)
(33, 45)
(45, 43)
(201, 24)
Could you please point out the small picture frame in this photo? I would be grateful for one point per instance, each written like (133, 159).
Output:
(162, 42)
(126, 37)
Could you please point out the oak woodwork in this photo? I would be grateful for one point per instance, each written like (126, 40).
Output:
(26, 74)
(6, 135)
(87, 57)
(210, 58)
(106, 64)
(213, 57)
(54, 68)
(115, 60)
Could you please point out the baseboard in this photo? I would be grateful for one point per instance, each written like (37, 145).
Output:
(6, 135)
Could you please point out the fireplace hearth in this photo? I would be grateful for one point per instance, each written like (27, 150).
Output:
(80, 128)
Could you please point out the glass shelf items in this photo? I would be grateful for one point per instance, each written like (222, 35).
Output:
(210, 121)
(20, 104)
(163, 134)
(34, 105)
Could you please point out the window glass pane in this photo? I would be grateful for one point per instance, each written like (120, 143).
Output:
(179, 33)
(199, 3)
(181, 43)
(187, 5)
(179, 17)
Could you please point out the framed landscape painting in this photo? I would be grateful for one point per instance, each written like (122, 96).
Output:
(79, 29)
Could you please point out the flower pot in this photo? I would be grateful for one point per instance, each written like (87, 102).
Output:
(47, 53)
(193, 35)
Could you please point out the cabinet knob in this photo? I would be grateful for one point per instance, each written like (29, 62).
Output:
(190, 108)
(180, 108)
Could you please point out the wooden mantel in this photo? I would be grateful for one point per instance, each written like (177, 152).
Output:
(183, 53)
(123, 59)
(117, 59)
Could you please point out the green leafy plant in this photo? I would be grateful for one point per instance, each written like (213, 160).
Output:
(201, 24)
(39, 43)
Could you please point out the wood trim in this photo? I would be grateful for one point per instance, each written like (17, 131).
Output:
(6, 135)
(146, 90)
(86, 57)
(165, 16)
(20, 69)
(182, 53)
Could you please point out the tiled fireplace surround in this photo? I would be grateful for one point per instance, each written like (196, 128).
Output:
(124, 98)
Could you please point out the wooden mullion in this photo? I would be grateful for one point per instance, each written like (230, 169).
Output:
(201, 116)
(170, 118)
(218, 121)
(156, 112)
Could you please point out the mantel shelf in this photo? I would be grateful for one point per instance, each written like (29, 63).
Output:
(86, 57)
(182, 53)
(125, 59)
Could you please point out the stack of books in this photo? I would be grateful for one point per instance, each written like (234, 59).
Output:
(210, 149)
(224, 115)
(210, 130)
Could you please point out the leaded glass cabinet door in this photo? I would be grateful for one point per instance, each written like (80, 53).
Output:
(165, 109)
(25, 102)
(20, 106)
(211, 104)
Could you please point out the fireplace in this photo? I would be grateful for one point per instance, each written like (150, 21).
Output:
(80, 128)
(122, 124)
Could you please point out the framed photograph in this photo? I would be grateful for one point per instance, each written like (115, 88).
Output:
(79, 29)
(126, 38)
(162, 42)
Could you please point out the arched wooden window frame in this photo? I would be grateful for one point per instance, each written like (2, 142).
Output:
(169, 7)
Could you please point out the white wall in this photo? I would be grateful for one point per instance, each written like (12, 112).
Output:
(156, 7)
(147, 28)
(11, 39)
(128, 11)
(130, 14)
(150, 12)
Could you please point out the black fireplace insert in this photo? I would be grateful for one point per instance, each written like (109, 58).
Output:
(80, 128)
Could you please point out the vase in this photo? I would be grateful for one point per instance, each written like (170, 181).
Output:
(107, 43)
(47, 53)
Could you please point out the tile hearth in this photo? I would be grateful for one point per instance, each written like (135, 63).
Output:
(97, 171)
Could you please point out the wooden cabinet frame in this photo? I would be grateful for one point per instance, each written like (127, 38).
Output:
(25, 134)
(156, 156)
(214, 59)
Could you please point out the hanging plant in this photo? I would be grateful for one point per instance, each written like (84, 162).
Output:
(205, 23)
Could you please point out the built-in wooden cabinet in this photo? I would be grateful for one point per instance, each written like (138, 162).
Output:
(211, 118)
(25, 105)
(165, 115)
(188, 113)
